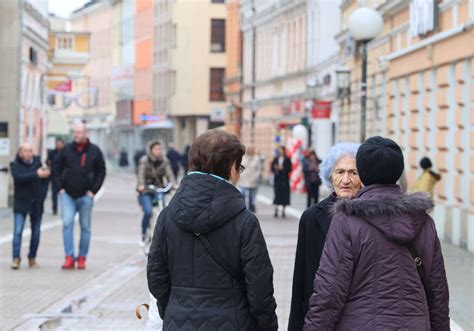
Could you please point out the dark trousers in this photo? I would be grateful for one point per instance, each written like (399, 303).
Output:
(54, 195)
(312, 194)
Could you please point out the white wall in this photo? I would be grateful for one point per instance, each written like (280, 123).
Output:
(324, 22)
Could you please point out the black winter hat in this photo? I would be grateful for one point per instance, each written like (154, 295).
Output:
(425, 163)
(379, 161)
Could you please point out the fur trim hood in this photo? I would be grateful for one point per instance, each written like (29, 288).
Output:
(399, 216)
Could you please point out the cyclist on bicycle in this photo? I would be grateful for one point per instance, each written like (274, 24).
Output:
(153, 169)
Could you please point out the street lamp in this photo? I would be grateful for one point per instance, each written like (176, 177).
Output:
(364, 25)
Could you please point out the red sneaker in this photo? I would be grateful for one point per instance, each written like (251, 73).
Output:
(69, 263)
(81, 262)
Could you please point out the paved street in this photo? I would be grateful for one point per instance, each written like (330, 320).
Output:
(104, 296)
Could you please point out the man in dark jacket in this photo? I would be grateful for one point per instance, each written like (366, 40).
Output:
(52, 162)
(81, 173)
(208, 265)
(30, 190)
(382, 266)
(174, 158)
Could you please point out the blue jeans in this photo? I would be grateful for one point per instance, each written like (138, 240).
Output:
(69, 208)
(249, 197)
(19, 224)
(146, 201)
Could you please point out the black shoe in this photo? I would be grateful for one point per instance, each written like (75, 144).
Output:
(276, 214)
(55, 212)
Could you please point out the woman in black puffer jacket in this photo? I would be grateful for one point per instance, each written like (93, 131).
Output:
(208, 265)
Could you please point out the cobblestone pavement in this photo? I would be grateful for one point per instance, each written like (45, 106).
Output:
(104, 296)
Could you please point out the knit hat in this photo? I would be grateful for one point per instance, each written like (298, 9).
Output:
(425, 163)
(379, 161)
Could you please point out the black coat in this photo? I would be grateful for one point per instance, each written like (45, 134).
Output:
(79, 172)
(174, 158)
(281, 183)
(30, 190)
(193, 291)
(313, 228)
(52, 161)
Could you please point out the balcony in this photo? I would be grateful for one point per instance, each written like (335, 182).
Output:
(64, 56)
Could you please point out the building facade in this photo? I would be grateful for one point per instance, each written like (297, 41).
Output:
(34, 57)
(68, 54)
(10, 67)
(274, 71)
(189, 66)
(420, 93)
(100, 19)
(323, 23)
(233, 71)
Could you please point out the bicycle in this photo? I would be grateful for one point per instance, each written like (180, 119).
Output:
(159, 193)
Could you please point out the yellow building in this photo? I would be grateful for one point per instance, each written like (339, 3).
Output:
(68, 54)
(189, 66)
(420, 93)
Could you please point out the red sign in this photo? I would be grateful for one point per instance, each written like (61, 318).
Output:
(296, 106)
(321, 109)
(64, 86)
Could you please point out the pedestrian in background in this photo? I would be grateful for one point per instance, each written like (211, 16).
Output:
(249, 179)
(174, 159)
(52, 162)
(339, 174)
(311, 177)
(382, 266)
(154, 169)
(281, 168)
(185, 159)
(208, 266)
(81, 173)
(123, 158)
(428, 179)
(30, 188)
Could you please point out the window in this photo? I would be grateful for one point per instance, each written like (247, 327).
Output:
(64, 42)
(217, 84)
(217, 35)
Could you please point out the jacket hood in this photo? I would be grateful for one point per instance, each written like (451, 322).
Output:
(204, 203)
(400, 217)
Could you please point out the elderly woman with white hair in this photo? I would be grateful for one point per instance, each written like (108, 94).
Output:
(339, 173)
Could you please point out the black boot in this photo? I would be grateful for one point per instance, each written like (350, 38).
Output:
(276, 213)
(283, 215)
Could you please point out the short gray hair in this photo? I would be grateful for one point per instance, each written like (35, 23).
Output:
(336, 153)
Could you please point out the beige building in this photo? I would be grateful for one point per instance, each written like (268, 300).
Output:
(23, 64)
(189, 66)
(274, 71)
(420, 93)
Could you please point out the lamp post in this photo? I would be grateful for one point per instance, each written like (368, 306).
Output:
(364, 25)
